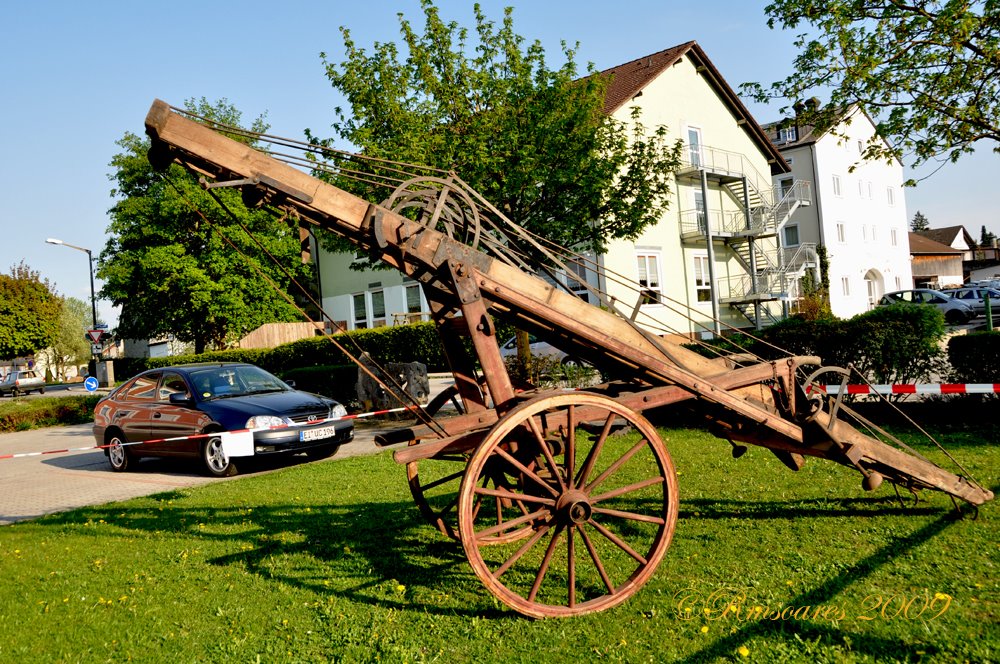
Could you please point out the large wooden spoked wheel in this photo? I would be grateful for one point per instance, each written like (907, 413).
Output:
(439, 204)
(434, 482)
(602, 505)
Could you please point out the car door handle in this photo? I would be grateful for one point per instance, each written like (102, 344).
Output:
(156, 416)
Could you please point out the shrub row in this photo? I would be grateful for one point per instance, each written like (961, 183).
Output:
(975, 358)
(403, 343)
(22, 414)
(894, 344)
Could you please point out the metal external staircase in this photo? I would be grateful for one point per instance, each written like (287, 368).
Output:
(750, 233)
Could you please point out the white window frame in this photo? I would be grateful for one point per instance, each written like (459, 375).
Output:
(702, 275)
(841, 233)
(890, 193)
(359, 322)
(696, 151)
(652, 290)
(838, 190)
(845, 286)
(788, 134)
(785, 235)
(894, 236)
(377, 321)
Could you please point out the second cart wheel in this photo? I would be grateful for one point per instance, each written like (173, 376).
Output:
(601, 505)
(434, 482)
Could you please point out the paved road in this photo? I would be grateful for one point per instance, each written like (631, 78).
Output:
(34, 486)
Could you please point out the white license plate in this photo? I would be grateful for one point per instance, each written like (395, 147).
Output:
(316, 434)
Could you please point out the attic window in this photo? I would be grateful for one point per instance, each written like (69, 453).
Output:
(787, 134)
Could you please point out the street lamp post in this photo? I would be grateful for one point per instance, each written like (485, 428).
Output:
(90, 261)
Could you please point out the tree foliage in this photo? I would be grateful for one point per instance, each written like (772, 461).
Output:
(927, 71)
(535, 141)
(168, 263)
(69, 346)
(919, 222)
(29, 312)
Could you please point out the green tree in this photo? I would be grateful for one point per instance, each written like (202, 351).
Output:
(986, 238)
(533, 140)
(69, 346)
(919, 222)
(168, 262)
(927, 72)
(29, 312)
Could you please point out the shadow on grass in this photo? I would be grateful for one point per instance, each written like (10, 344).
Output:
(359, 549)
(811, 630)
(362, 551)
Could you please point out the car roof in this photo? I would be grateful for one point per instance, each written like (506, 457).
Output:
(194, 366)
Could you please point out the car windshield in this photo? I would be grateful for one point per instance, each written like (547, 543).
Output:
(234, 381)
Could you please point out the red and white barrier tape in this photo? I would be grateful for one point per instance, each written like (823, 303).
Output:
(916, 388)
(240, 441)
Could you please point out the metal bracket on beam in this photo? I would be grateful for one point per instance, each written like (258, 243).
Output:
(257, 181)
(205, 184)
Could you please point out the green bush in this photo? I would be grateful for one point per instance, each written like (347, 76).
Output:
(22, 414)
(894, 344)
(975, 358)
(403, 343)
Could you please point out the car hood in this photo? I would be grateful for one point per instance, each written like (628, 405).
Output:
(283, 404)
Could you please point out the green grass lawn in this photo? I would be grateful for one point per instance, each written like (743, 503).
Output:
(332, 562)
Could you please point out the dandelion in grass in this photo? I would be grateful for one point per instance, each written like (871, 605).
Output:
(743, 651)
(704, 629)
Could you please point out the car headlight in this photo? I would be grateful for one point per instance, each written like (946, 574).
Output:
(261, 421)
(337, 411)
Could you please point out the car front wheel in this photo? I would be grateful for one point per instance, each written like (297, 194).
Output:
(217, 464)
(955, 317)
(118, 454)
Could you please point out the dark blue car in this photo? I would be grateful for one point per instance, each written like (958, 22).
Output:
(194, 399)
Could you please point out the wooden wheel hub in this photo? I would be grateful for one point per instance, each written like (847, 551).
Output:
(573, 507)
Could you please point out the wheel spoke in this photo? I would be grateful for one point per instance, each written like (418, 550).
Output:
(632, 516)
(595, 451)
(527, 472)
(617, 541)
(597, 561)
(444, 480)
(500, 571)
(627, 489)
(516, 497)
(570, 443)
(616, 465)
(507, 525)
(547, 453)
(571, 566)
(544, 567)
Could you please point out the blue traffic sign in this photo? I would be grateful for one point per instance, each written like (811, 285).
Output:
(90, 384)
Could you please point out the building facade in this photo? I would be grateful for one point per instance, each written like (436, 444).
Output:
(859, 210)
(713, 262)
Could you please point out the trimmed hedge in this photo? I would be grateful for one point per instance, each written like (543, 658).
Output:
(975, 358)
(418, 342)
(894, 344)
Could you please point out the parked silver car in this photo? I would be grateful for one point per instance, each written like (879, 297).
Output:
(17, 383)
(955, 312)
(975, 297)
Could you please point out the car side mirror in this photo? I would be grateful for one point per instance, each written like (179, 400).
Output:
(290, 383)
(180, 399)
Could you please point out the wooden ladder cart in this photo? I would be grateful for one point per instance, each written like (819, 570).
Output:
(564, 501)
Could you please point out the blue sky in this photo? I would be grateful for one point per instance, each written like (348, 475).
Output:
(76, 76)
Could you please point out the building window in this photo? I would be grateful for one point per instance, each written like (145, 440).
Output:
(789, 160)
(874, 232)
(899, 284)
(861, 147)
(788, 134)
(694, 146)
(870, 190)
(702, 284)
(864, 233)
(576, 279)
(699, 205)
(648, 266)
(360, 312)
(891, 195)
(413, 302)
(785, 186)
(836, 186)
(792, 235)
(841, 233)
(378, 308)
(892, 233)
(845, 285)
(861, 188)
